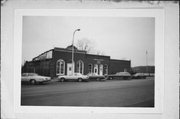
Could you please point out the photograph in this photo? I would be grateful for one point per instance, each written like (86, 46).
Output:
(88, 61)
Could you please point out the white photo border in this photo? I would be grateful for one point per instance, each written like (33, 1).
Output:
(158, 14)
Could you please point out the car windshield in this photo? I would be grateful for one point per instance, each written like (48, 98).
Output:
(33, 74)
(24, 74)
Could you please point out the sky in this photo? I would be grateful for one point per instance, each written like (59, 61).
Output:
(123, 38)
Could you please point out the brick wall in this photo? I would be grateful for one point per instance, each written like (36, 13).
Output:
(119, 66)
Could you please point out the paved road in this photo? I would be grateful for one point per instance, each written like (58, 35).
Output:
(111, 93)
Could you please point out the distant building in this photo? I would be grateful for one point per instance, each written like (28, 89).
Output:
(144, 69)
(58, 61)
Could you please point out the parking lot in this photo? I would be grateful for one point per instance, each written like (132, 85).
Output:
(110, 93)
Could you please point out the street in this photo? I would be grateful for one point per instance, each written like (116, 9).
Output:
(110, 93)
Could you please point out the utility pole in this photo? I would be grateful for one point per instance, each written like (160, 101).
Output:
(147, 70)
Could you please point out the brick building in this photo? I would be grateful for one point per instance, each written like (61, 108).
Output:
(58, 61)
(144, 69)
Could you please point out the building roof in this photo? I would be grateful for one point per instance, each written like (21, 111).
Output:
(45, 55)
(119, 60)
(95, 55)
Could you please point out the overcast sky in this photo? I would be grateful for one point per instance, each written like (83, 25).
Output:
(118, 37)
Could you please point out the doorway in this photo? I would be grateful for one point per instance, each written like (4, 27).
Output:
(96, 69)
(69, 69)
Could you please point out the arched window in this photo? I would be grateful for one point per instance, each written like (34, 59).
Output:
(90, 68)
(100, 69)
(105, 69)
(60, 67)
(80, 67)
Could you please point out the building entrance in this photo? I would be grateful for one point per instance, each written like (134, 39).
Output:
(96, 69)
(69, 69)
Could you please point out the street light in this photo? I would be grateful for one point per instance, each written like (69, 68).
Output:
(73, 50)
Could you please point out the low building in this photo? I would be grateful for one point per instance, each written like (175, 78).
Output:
(58, 61)
(148, 70)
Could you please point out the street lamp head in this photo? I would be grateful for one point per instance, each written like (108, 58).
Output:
(78, 29)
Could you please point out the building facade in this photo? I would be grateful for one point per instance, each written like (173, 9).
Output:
(58, 61)
(144, 69)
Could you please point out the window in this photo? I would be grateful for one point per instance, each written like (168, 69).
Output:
(100, 69)
(90, 68)
(32, 74)
(49, 55)
(60, 67)
(125, 70)
(96, 69)
(105, 69)
(80, 67)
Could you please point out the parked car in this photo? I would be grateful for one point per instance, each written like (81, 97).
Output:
(93, 76)
(120, 76)
(75, 77)
(139, 76)
(34, 78)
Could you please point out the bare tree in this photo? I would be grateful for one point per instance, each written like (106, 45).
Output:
(88, 46)
(98, 52)
(85, 44)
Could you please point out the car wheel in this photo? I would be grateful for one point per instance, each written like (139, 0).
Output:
(79, 79)
(32, 82)
(62, 79)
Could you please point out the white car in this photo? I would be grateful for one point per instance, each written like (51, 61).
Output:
(34, 78)
(139, 76)
(75, 77)
(127, 74)
(120, 76)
